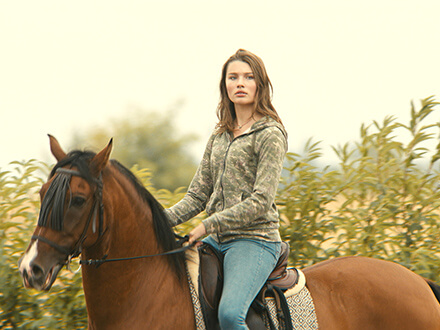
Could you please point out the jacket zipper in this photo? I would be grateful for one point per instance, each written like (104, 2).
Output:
(221, 179)
(224, 170)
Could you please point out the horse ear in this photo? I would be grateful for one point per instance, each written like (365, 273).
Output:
(56, 149)
(100, 160)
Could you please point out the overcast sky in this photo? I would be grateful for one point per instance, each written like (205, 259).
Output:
(69, 66)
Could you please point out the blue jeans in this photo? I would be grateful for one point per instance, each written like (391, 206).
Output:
(247, 265)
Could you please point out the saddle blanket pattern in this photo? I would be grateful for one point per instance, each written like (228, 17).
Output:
(302, 311)
(198, 313)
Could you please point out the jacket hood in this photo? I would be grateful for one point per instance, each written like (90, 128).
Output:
(268, 122)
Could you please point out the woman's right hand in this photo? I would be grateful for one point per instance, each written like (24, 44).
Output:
(196, 233)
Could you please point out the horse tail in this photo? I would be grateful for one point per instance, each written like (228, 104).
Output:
(435, 289)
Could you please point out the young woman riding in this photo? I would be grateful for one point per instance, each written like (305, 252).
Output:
(236, 183)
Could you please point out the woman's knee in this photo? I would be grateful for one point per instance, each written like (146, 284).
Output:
(230, 318)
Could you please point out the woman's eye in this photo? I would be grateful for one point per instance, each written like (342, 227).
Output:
(250, 77)
(78, 201)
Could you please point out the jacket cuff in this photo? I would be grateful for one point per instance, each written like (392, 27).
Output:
(211, 224)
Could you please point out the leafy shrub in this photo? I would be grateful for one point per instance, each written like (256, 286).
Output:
(381, 201)
(64, 307)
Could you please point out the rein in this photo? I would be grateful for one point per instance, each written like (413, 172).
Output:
(99, 262)
(76, 251)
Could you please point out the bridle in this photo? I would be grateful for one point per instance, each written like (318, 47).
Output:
(97, 208)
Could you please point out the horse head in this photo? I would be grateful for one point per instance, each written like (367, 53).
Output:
(71, 210)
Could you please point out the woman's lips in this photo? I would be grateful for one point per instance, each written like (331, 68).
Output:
(240, 93)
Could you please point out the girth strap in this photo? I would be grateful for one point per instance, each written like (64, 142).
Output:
(283, 312)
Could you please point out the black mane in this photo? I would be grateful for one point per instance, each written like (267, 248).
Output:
(162, 227)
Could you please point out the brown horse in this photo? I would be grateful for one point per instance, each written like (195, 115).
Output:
(97, 208)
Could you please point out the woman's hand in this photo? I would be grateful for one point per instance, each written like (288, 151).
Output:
(196, 233)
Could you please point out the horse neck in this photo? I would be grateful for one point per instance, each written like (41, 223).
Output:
(123, 292)
(128, 220)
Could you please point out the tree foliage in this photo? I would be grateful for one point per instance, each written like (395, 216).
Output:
(149, 140)
(381, 200)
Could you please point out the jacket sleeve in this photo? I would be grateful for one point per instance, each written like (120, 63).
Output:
(199, 191)
(271, 151)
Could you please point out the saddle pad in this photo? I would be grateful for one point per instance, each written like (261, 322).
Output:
(298, 286)
(198, 313)
(302, 311)
(192, 266)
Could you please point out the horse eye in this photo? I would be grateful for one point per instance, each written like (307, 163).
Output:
(78, 201)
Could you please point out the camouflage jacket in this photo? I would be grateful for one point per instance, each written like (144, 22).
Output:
(236, 183)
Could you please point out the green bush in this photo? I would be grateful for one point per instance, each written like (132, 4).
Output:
(381, 200)
(64, 307)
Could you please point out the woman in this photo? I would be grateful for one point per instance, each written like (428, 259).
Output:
(236, 184)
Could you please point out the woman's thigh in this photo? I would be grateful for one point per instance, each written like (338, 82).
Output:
(247, 265)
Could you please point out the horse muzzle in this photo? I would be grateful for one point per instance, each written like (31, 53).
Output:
(35, 274)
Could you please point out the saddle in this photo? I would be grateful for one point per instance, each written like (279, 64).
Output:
(211, 285)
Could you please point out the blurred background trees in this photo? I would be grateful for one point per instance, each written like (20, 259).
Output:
(381, 200)
(148, 140)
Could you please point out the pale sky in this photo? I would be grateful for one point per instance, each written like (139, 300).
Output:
(69, 66)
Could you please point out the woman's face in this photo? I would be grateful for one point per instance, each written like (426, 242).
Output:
(240, 84)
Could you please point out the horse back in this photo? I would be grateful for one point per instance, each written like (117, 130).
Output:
(366, 293)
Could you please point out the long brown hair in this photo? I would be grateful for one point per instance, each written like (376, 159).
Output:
(263, 103)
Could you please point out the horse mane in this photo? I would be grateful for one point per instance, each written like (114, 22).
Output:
(162, 227)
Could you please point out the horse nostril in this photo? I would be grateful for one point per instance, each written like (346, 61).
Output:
(25, 275)
(37, 271)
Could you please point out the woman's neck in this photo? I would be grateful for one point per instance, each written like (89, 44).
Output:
(245, 118)
(243, 114)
